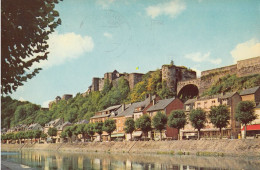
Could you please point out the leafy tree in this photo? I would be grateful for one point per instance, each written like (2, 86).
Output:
(68, 132)
(37, 134)
(129, 126)
(80, 130)
(43, 136)
(177, 119)
(219, 116)
(164, 91)
(63, 135)
(90, 129)
(159, 122)
(107, 87)
(29, 134)
(52, 132)
(10, 136)
(26, 26)
(19, 135)
(144, 123)
(109, 126)
(198, 119)
(99, 129)
(245, 113)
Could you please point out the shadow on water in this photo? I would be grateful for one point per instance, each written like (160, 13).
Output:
(93, 160)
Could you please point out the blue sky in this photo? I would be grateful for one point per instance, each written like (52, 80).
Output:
(100, 36)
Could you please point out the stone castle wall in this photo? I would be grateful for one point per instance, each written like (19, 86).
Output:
(242, 68)
(173, 74)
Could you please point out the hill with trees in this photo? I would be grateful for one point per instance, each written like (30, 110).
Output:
(80, 107)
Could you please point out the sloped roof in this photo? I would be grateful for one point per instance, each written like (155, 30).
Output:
(84, 121)
(111, 108)
(130, 110)
(221, 96)
(161, 104)
(190, 101)
(228, 95)
(249, 91)
(98, 116)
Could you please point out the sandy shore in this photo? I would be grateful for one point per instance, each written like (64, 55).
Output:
(5, 165)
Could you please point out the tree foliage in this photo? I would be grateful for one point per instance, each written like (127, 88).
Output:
(143, 123)
(245, 112)
(109, 126)
(98, 126)
(129, 126)
(219, 116)
(52, 132)
(198, 119)
(177, 119)
(90, 129)
(26, 26)
(159, 122)
(231, 83)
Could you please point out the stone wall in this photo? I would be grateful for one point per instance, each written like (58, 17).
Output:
(173, 74)
(235, 147)
(134, 78)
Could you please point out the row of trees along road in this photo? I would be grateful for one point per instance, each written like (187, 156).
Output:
(31, 134)
(219, 116)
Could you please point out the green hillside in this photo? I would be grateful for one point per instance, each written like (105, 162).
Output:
(230, 83)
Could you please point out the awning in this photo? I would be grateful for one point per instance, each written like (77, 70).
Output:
(137, 133)
(118, 135)
(251, 127)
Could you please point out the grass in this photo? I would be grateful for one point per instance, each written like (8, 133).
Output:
(210, 154)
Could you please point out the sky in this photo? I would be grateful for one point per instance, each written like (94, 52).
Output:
(100, 36)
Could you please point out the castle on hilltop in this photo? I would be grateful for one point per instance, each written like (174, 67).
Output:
(170, 73)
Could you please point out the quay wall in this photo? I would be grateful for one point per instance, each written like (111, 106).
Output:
(235, 147)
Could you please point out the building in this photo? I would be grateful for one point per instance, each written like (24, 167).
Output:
(189, 105)
(35, 126)
(165, 106)
(252, 94)
(134, 110)
(53, 124)
(60, 128)
(205, 103)
(103, 115)
(66, 96)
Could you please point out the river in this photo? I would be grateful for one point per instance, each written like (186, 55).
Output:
(106, 161)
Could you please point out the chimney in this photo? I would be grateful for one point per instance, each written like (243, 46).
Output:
(153, 102)
(150, 97)
(123, 107)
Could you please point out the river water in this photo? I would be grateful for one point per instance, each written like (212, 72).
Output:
(63, 160)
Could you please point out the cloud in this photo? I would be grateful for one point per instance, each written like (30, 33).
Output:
(248, 49)
(65, 47)
(172, 9)
(108, 35)
(46, 103)
(199, 57)
(105, 3)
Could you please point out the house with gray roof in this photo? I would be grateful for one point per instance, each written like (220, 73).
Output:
(35, 126)
(165, 106)
(53, 124)
(251, 94)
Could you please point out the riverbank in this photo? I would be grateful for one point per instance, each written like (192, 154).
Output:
(246, 147)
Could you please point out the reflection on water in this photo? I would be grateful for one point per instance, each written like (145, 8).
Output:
(105, 161)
